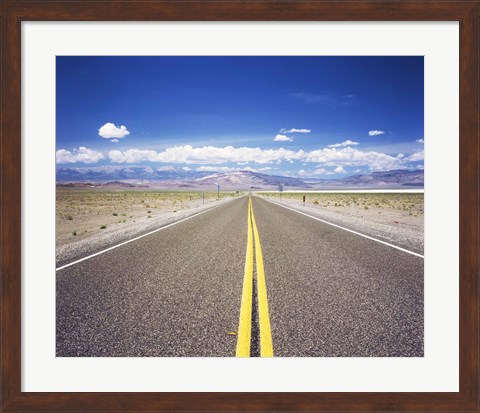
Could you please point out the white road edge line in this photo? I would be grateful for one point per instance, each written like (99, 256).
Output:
(346, 229)
(137, 238)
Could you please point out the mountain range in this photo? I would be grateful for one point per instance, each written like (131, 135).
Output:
(141, 176)
(108, 173)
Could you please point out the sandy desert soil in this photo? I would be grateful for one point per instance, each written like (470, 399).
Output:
(88, 220)
(393, 217)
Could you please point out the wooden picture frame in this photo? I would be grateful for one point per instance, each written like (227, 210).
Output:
(13, 12)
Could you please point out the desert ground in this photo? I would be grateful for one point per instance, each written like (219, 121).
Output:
(89, 219)
(394, 217)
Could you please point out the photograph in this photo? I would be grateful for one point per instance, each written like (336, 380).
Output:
(239, 206)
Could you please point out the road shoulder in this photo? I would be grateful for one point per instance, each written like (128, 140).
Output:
(390, 230)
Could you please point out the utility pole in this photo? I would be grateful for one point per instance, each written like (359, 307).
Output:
(218, 191)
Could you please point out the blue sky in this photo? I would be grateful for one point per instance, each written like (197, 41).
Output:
(325, 117)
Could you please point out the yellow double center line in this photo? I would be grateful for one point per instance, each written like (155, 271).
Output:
(245, 324)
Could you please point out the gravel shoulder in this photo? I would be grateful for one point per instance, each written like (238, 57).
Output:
(389, 225)
(69, 247)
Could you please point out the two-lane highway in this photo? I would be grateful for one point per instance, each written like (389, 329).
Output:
(336, 294)
(187, 289)
(173, 293)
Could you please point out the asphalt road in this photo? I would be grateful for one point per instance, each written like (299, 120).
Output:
(178, 292)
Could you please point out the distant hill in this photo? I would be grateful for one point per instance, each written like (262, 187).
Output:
(136, 176)
(248, 179)
(400, 177)
(121, 173)
(120, 184)
(113, 184)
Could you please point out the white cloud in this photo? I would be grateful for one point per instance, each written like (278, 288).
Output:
(320, 171)
(376, 132)
(348, 142)
(417, 156)
(217, 169)
(282, 138)
(114, 140)
(353, 157)
(132, 155)
(82, 154)
(109, 130)
(230, 169)
(167, 168)
(339, 170)
(116, 156)
(293, 130)
(212, 156)
(206, 155)
(420, 140)
(299, 130)
(254, 169)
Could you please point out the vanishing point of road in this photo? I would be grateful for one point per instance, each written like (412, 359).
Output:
(246, 278)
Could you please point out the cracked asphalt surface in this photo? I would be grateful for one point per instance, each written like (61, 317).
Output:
(177, 292)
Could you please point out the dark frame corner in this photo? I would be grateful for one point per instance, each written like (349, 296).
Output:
(13, 12)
